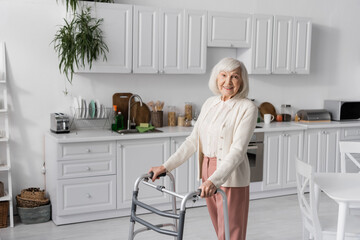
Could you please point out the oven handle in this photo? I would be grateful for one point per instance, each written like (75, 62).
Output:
(253, 147)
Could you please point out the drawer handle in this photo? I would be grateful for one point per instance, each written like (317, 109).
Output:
(88, 168)
(88, 195)
(88, 150)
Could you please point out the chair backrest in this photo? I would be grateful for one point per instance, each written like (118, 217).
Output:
(305, 182)
(347, 150)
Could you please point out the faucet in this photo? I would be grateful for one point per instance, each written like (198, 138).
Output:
(141, 103)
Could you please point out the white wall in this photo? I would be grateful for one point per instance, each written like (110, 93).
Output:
(36, 86)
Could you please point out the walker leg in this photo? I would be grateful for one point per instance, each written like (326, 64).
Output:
(131, 230)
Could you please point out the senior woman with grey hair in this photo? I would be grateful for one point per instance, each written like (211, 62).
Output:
(221, 136)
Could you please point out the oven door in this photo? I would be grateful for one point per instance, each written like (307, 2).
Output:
(255, 156)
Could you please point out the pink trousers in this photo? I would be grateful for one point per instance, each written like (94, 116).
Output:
(238, 206)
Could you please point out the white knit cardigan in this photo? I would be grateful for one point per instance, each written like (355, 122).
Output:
(233, 168)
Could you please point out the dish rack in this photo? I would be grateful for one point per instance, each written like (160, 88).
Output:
(85, 118)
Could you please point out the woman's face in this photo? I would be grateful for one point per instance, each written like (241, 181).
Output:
(229, 83)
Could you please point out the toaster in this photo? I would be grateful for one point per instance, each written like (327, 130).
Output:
(59, 123)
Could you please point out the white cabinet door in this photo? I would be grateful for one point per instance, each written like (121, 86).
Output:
(117, 30)
(171, 51)
(185, 174)
(293, 148)
(134, 158)
(229, 30)
(302, 45)
(273, 143)
(322, 150)
(195, 30)
(280, 151)
(282, 45)
(146, 40)
(262, 44)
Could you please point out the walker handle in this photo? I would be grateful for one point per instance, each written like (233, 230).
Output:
(199, 192)
(161, 175)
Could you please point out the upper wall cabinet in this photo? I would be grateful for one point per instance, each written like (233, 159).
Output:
(292, 44)
(169, 41)
(195, 42)
(280, 45)
(229, 30)
(146, 40)
(117, 29)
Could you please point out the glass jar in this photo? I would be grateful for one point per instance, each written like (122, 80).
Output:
(188, 111)
(286, 112)
(171, 116)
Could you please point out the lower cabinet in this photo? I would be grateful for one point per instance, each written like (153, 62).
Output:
(280, 151)
(321, 149)
(135, 158)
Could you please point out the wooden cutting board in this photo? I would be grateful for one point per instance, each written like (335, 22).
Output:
(267, 108)
(121, 100)
(140, 114)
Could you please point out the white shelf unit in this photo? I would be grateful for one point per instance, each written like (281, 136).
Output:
(5, 166)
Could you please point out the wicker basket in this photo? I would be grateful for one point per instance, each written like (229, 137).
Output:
(33, 193)
(2, 191)
(4, 208)
(30, 203)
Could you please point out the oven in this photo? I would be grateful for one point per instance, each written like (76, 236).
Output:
(255, 153)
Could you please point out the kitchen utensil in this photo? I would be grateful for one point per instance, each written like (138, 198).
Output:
(152, 106)
(92, 109)
(121, 100)
(140, 114)
(98, 108)
(265, 108)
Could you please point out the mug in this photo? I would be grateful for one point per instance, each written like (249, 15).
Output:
(268, 118)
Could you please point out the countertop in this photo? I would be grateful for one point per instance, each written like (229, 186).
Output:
(107, 135)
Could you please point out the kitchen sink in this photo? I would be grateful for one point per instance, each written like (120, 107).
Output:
(135, 131)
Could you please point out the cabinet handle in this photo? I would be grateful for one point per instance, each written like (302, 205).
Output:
(285, 135)
(88, 168)
(231, 45)
(88, 195)
(324, 132)
(88, 150)
(120, 146)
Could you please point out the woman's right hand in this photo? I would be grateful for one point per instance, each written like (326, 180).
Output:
(157, 171)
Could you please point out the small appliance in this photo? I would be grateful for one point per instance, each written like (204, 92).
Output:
(314, 115)
(59, 123)
(343, 110)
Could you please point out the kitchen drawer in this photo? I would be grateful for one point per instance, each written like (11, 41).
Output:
(86, 168)
(86, 150)
(350, 134)
(84, 195)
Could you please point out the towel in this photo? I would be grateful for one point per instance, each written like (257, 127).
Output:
(145, 129)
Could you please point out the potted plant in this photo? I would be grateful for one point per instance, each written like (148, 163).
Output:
(79, 42)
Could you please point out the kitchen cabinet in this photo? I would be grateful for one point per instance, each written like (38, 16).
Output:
(80, 179)
(146, 40)
(195, 41)
(280, 151)
(5, 163)
(229, 30)
(280, 45)
(291, 45)
(169, 41)
(258, 59)
(134, 158)
(117, 30)
(322, 149)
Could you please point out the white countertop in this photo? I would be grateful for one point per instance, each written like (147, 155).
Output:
(107, 135)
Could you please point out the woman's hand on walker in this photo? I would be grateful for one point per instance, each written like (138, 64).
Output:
(157, 171)
(207, 189)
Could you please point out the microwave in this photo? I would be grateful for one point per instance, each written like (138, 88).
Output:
(343, 110)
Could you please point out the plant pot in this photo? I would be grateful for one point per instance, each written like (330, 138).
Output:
(34, 215)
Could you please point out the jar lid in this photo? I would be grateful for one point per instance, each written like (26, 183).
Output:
(285, 105)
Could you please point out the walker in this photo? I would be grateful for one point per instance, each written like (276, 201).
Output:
(179, 219)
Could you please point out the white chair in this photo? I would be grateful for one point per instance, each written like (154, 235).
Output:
(348, 149)
(315, 226)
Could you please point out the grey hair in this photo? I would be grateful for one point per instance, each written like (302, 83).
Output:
(228, 65)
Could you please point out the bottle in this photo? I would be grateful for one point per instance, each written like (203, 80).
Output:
(119, 121)
(296, 119)
(114, 121)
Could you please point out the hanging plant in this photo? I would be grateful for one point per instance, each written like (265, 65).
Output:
(79, 42)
